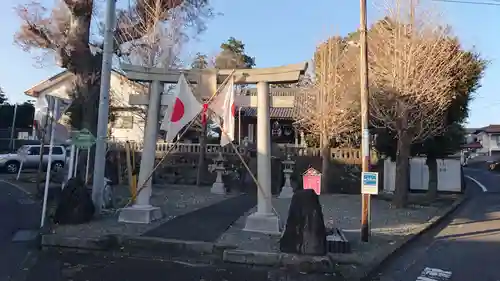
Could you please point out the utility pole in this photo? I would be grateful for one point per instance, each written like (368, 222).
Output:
(13, 128)
(102, 121)
(365, 141)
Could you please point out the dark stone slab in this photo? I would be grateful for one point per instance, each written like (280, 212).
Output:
(305, 231)
(75, 204)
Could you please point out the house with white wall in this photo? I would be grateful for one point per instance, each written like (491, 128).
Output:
(129, 121)
(489, 138)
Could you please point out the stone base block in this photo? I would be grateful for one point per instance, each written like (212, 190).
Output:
(263, 223)
(138, 214)
(286, 192)
(218, 188)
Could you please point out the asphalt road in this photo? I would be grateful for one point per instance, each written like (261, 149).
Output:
(463, 248)
(19, 221)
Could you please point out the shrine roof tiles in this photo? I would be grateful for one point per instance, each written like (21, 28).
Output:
(275, 112)
(279, 92)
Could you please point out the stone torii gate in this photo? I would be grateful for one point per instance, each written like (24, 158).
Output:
(264, 220)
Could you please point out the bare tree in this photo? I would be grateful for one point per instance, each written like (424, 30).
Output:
(413, 68)
(328, 108)
(64, 33)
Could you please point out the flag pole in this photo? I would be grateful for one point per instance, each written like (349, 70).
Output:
(49, 164)
(170, 148)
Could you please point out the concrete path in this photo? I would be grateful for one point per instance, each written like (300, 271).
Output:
(205, 224)
(463, 248)
(19, 222)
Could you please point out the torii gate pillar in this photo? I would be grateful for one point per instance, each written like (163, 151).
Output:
(142, 211)
(264, 220)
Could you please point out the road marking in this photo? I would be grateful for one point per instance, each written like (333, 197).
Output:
(478, 183)
(16, 186)
(434, 274)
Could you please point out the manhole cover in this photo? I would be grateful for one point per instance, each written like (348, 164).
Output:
(25, 235)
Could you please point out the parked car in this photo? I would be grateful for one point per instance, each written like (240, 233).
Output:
(29, 155)
(494, 166)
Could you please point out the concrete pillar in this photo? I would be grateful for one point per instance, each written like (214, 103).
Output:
(142, 211)
(264, 220)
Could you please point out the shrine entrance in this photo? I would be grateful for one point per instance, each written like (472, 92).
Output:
(264, 220)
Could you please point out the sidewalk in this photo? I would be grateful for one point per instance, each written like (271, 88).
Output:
(391, 228)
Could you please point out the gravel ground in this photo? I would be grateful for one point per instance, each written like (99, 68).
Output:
(174, 200)
(388, 224)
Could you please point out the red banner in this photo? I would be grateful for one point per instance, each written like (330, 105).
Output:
(204, 114)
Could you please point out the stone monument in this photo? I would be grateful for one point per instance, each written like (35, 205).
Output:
(218, 167)
(288, 165)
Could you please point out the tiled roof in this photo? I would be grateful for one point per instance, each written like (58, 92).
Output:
(275, 112)
(283, 92)
(472, 145)
(65, 74)
(491, 129)
(471, 130)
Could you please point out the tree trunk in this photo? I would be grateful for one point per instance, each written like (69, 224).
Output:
(433, 178)
(87, 89)
(402, 169)
(78, 58)
(325, 163)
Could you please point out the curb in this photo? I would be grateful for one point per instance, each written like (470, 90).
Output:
(399, 246)
(309, 264)
(135, 245)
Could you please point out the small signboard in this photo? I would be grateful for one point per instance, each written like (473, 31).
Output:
(370, 183)
(82, 139)
(311, 179)
(23, 153)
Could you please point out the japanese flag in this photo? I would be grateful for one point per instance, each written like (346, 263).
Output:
(185, 107)
(223, 106)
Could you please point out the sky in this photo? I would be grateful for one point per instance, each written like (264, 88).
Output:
(281, 32)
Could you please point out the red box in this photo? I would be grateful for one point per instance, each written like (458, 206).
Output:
(311, 179)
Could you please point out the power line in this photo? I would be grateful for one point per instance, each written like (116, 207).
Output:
(491, 3)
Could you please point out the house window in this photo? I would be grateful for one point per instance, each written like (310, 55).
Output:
(496, 139)
(251, 130)
(124, 122)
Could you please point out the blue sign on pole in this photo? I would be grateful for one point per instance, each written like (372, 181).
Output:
(370, 183)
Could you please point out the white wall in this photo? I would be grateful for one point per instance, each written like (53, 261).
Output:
(489, 142)
(121, 89)
(449, 177)
(484, 139)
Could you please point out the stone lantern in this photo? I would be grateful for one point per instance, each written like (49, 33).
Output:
(288, 165)
(218, 167)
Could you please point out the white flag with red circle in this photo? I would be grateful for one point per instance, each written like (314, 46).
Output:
(223, 105)
(185, 107)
